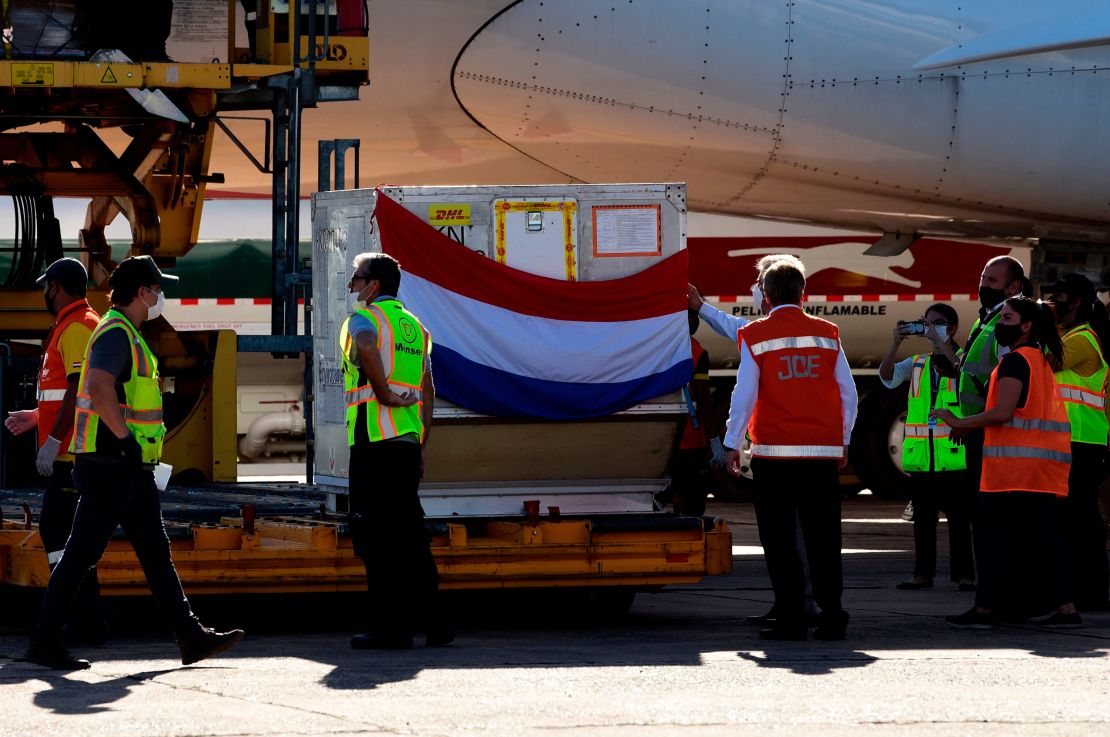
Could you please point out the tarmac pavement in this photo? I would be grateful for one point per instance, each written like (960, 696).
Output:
(682, 662)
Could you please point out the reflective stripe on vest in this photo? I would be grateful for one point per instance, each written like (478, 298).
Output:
(922, 431)
(142, 407)
(1032, 451)
(1025, 452)
(979, 360)
(927, 446)
(403, 345)
(798, 451)
(804, 341)
(50, 395)
(1085, 396)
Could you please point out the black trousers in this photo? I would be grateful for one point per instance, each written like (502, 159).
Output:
(387, 529)
(1083, 526)
(1024, 566)
(114, 494)
(789, 493)
(59, 504)
(931, 493)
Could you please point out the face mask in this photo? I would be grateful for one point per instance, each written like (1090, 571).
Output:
(757, 299)
(942, 332)
(154, 310)
(355, 300)
(1007, 335)
(989, 297)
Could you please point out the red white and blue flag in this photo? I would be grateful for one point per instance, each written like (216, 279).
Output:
(513, 344)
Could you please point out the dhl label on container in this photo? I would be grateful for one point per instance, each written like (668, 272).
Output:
(448, 215)
(40, 75)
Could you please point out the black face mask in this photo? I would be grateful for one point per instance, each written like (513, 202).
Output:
(989, 297)
(1007, 335)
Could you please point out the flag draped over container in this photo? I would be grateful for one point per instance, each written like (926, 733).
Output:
(514, 344)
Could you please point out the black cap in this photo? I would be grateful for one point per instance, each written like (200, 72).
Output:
(138, 271)
(1076, 286)
(69, 272)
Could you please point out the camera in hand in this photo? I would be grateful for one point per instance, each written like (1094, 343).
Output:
(913, 327)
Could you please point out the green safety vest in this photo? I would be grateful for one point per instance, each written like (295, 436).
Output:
(980, 358)
(404, 345)
(925, 447)
(1085, 396)
(142, 407)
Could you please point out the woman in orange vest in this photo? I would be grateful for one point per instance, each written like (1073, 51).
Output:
(1026, 459)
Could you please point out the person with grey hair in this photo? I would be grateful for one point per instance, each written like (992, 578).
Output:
(728, 326)
(796, 399)
(386, 355)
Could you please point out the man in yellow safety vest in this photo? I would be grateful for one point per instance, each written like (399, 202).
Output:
(386, 354)
(117, 441)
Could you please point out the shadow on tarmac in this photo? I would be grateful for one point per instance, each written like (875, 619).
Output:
(680, 626)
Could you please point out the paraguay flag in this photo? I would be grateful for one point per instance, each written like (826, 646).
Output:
(513, 344)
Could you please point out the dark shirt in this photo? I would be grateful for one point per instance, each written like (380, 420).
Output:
(111, 352)
(1014, 366)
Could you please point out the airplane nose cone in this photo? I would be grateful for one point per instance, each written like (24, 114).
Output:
(643, 91)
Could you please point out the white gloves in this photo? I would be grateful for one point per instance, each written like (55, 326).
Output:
(717, 448)
(44, 462)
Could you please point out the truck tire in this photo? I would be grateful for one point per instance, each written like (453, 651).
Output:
(877, 444)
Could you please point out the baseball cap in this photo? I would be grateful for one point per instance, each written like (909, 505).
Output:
(138, 271)
(69, 272)
(1073, 285)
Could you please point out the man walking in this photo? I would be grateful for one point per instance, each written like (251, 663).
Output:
(796, 398)
(389, 396)
(118, 433)
(65, 284)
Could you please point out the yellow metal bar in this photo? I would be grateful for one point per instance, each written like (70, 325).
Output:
(293, 555)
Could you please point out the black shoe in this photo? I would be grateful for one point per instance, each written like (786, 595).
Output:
(763, 619)
(967, 586)
(439, 638)
(971, 620)
(833, 626)
(384, 642)
(912, 585)
(783, 633)
(206, 643)
(53, 656)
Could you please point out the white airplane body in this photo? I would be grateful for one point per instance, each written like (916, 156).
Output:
(983, 119)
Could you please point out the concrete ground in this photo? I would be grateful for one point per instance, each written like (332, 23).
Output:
(682, 662)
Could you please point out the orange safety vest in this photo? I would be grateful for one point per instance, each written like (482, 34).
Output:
(53, 374)
(693, 437)
(798, 413)
(1031, 452)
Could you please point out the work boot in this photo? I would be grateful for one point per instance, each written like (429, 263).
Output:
(205, 643)
(53, 656)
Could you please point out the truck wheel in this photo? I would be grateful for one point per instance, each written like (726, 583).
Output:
(877, 445)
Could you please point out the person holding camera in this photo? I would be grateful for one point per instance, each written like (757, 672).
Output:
(936, 464)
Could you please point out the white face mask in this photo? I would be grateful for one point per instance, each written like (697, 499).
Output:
(355, 300)
(942, 332)
(757, 299)
(154, 310)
